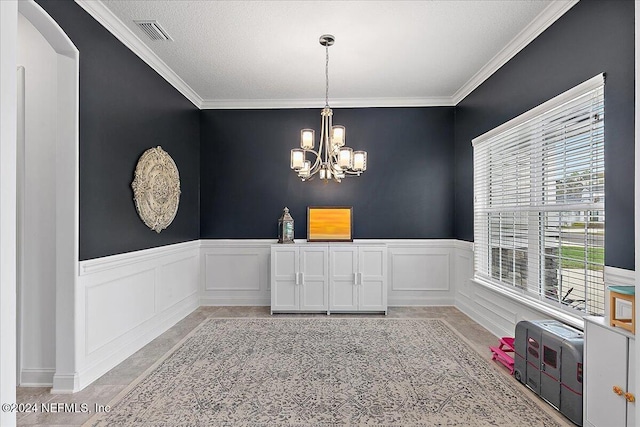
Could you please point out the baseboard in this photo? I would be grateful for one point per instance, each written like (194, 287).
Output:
(37, 377)
(234, 301)
(420, 301)
(65, 384)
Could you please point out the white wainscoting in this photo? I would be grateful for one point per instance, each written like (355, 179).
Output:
(235, 272)
(420, 272)
(125, 301)
(498, 312)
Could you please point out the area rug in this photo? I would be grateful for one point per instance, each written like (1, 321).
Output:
(323, 372)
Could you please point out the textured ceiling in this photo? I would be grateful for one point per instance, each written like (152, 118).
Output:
(267, 51)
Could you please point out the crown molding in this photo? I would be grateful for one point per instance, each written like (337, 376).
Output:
(239, 104)
(543, 21)
(115, 26)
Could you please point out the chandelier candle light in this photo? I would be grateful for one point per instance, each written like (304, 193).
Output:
(333, 160)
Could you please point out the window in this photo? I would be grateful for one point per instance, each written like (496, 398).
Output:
(539, 201)
(550, 357)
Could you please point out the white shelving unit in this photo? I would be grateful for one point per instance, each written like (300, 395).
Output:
(610, 370)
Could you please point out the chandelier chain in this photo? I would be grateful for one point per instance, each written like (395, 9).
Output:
(326, 75)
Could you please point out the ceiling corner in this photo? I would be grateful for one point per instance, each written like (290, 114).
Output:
(99, 11)
(543, 21)
(115, 26)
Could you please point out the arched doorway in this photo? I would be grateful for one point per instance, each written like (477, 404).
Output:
(47, 195)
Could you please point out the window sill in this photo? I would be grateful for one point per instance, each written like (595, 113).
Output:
(576, 321)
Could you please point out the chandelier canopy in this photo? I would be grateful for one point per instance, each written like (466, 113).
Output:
(333, 160)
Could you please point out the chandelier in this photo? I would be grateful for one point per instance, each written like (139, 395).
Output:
(333, 160)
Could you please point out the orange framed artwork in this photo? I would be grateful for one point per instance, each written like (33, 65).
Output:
(329, 224)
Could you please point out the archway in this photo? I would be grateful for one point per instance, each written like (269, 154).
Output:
(62, 207)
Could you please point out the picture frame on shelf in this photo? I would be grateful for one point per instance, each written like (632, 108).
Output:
(330, 224)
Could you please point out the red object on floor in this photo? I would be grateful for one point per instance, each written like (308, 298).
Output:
(501, 353)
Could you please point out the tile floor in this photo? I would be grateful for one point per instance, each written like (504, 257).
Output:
(109, 385)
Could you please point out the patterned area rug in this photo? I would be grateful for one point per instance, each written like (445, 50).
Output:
(323, 372)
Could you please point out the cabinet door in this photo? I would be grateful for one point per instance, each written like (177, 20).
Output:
(343, 292)
(284, 279)
(605, 367)
(372, 262)
(631, 382)
(314, 282)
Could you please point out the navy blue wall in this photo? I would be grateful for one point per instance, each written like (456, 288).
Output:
(407, 191)
(591, 38)
(126, 108)
(420, 159)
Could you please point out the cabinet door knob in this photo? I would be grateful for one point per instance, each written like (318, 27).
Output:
(617, 390)
(630, 397)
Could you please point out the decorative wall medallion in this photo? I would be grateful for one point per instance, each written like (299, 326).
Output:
(156, 188)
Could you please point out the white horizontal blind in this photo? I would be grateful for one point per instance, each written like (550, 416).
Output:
(539, 201)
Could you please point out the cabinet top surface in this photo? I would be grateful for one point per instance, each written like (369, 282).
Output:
(625, 290)
(602, 322)
(305, 243)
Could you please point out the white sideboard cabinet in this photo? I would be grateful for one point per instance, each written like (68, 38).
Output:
(299, 278)
(358, 278)
(609, 375)
(326, 277)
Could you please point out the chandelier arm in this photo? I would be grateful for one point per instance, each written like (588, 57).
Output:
(329, 127)
(334, 159)
(313, 169)
(329, 143)
(321, 142)
(324, 136)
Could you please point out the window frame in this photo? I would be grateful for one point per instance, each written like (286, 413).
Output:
(524, 295)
